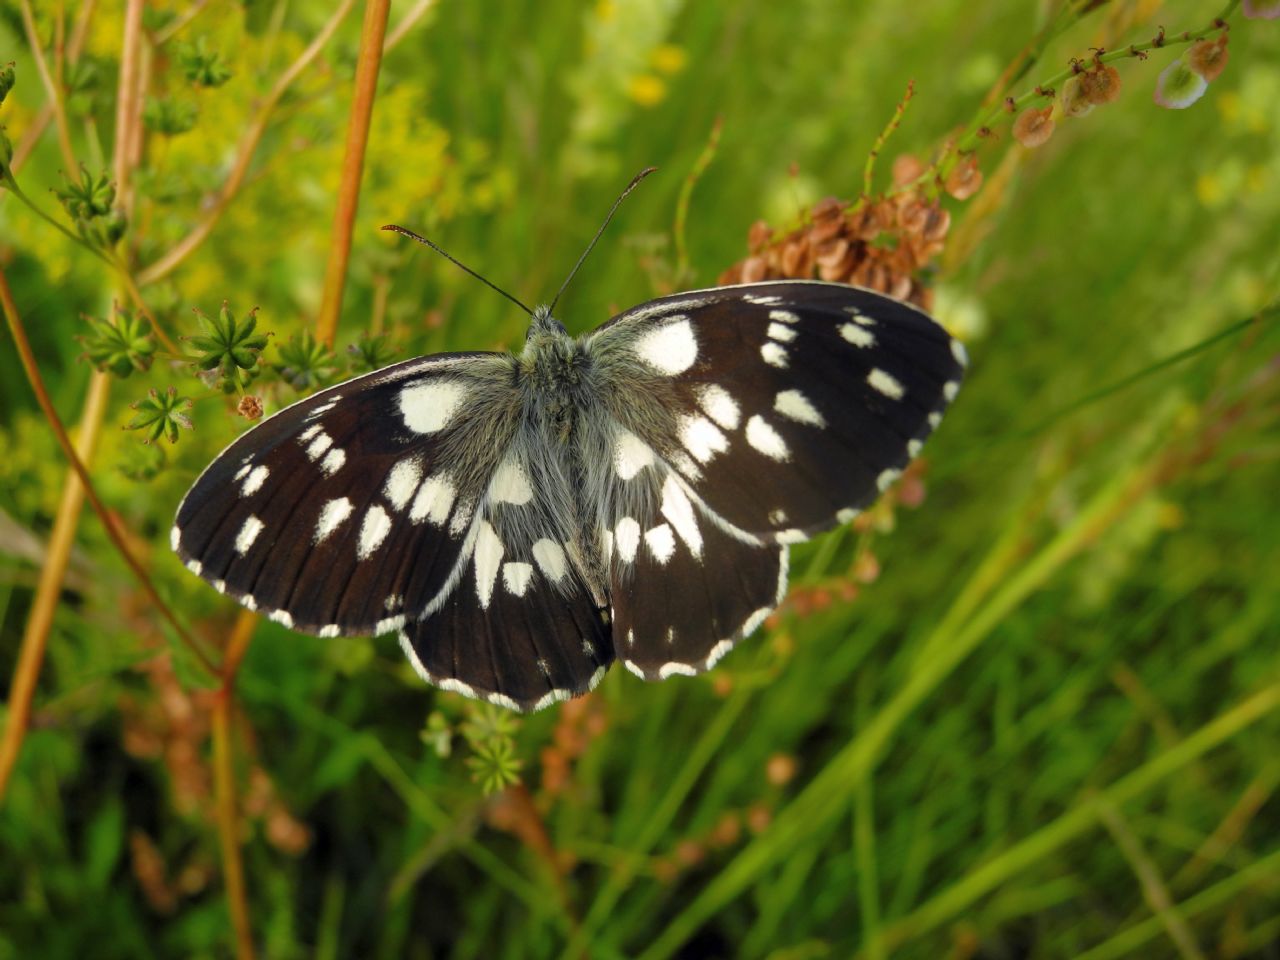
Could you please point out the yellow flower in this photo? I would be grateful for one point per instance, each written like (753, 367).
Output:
(646, 89)
(668, 58)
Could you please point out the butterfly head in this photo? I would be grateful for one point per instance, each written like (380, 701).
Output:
(543, 328)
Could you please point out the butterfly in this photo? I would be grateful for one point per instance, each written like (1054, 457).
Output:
(523, 520)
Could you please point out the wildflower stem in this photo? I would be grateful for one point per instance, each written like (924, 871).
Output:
(40, 620)
(369, 59)
(51, 86)
(168, 261)
(972, 137)
(894, 122)
(224, 784)
(686, 195)
(46, 405)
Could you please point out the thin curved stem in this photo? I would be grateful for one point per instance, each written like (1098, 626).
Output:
(46, 405)
(168, 261)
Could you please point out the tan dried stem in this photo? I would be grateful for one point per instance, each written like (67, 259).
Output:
(127, 112)
(161, 37)
(35, 637)
(52, 86)
(407, 23)
(224, 782)
(168, 261)
(27, 357)
(372, 35)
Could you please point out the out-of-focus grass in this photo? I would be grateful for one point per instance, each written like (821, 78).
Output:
(1070, 653)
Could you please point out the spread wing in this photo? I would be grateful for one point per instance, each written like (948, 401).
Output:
(403, 501)
(742, 419)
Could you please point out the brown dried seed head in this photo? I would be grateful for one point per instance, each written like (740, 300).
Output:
(796, 259)
(1208, 57)
(867, 222)
(1101, 85)
(1075, 99)
(754, 269)
(250, 407)
(965, 179)
(758, 236)
(1034, 126)
(907, 168)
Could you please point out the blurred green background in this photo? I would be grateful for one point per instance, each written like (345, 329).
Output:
(1029, 709)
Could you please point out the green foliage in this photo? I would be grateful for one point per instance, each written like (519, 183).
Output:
(169, 116)
(161, 414)
(120, 344)
(1031, 695)
(305, 363)
(230, 348)
(202, 66)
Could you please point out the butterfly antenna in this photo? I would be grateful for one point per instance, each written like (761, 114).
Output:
(458, 263)
(612, 210)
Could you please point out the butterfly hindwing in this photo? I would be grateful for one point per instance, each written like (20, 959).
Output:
(794, 403)
(686, 589)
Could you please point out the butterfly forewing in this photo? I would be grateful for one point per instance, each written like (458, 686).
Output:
(795, 403)
(343, 513)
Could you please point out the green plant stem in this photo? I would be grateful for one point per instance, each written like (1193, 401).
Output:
(868, 171)
(168, 261)
(972, 136)
(1085, 816)
(51, 86)
(678, 230)
(949, 644)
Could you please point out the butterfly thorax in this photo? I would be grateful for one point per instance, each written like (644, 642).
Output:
(554, 373)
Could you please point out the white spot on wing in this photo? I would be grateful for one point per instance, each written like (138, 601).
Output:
(374, 529)
(510, 484)
(671, 669)
(717, 654)
(935, 418)
(960, 353)
(332, 630)
(195, 566)
(886, 384)
(796, 406)
(488, 557)
(627, 539)
(720, 407)
(434, 500)
(402, 481)
(331, 516)
(248, 533)
(412, 654)
(762, 301)
(630, 454)
(781, 332)
(766, 439)
(634, 669)
(886, 479)
(790, 536)
(754, 621)
(679, 511)
(784, 316)
(661, 542)
(242, 471)
(282, 617)
(550, 558)
(671, 348)
(949, 390)
(701, 438)
(175, 538)
(516, 577)
(333, 461)
(310, 432)
(387, 624)
(775, 355)
(858, 335)
(429, 405)
(913, 448)
(847, 515)
(319, 445)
